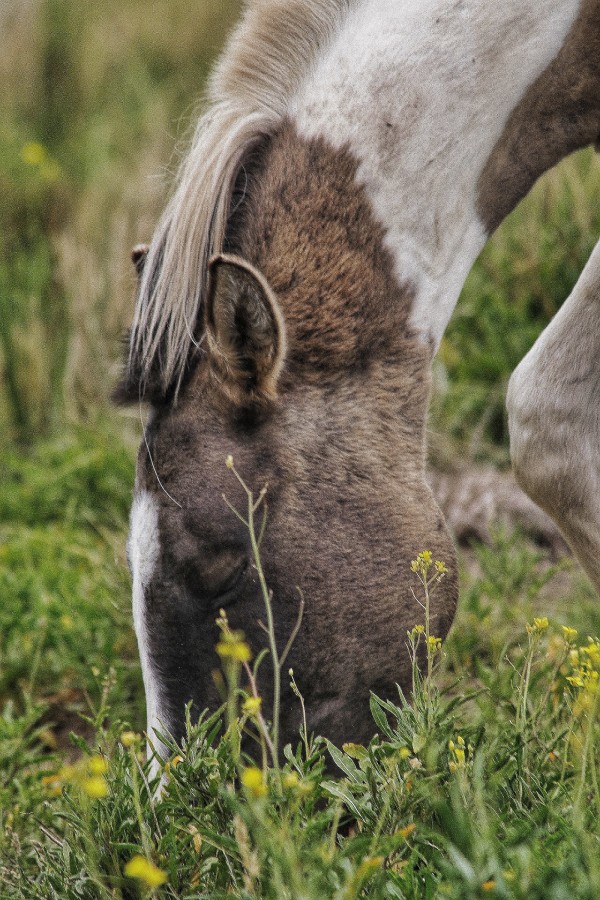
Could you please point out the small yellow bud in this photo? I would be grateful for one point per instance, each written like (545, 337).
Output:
(229, 462)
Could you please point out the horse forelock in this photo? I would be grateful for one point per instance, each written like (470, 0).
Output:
(271, 50)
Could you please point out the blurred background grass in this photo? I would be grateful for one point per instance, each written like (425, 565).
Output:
(96, 101)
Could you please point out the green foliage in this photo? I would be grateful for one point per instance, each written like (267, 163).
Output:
(63, 582)
(484, 797)
(519, 282)
(33, 312)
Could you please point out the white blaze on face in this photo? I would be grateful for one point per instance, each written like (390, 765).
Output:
(143, 549)
(420, 91)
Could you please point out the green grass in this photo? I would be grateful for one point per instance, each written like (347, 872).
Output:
(63, 580)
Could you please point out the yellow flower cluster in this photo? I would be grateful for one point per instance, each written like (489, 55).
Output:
(434, 645)
(251, 706)
(569, 634)
(233, 646)
(254, 782)
(585, 665)
(87, 774)
(538, 626)
(458, 754)
(423, 563)
(145, 871)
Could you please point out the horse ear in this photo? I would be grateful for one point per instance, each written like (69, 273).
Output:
(134, 387)
(245, 330)
(138, 257)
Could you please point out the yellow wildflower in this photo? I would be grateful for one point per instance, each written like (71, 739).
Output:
(569, 634)
(129, 738)
(53, 784)
(422, 563)
(97, 765)
(407, 830)
(254, 782)
(251, 706)
(236, 649)
(87, 774)
(33, 154)
(434, 644)
(539, 625)
(458, 753)
(95, 787)
(488, 885)
(418, 629)
(403, 752)
(291, 781)
(141, 868)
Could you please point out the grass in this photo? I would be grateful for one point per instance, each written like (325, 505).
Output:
(92, 102)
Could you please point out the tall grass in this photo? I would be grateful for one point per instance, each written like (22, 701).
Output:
(93, 99)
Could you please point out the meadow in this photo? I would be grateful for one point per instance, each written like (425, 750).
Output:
(485, 783)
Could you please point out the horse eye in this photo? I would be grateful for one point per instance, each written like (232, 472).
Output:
(228, 590)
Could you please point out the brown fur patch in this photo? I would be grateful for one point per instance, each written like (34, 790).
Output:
(559, 114)
(308, 227)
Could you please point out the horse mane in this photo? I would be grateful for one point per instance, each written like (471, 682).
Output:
(270, 52)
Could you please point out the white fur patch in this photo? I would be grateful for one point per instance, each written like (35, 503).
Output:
(143, 548)
(554, 419)
(420, 91)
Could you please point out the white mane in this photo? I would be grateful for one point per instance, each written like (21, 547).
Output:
(271, 50)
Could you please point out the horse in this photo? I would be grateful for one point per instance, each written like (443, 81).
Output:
(353, 159)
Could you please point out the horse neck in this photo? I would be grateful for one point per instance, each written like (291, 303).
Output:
(451, 111)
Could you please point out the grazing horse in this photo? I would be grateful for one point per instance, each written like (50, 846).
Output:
(353, 160)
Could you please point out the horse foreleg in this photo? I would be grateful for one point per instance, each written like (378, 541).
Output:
(554, 419)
